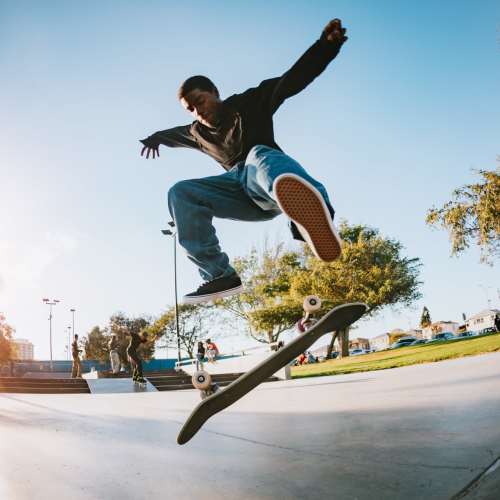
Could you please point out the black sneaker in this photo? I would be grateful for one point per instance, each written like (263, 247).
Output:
(215, 289)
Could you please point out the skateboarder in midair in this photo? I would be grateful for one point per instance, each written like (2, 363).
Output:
(260, 182)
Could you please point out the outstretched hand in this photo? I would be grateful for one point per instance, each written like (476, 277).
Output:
(334, 33)
(154, 151)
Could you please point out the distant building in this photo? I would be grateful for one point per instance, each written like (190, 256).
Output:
(380, 342)
(23, 349)
(414, 333)
(359, 343)
(484, 319)
(383, 341)
(429, 332)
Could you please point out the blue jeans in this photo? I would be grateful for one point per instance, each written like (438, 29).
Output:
(243, 193)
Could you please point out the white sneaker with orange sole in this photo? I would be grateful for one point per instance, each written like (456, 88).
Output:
(303, 203)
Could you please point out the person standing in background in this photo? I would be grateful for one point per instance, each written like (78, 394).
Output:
(113, 354)
(76, 369)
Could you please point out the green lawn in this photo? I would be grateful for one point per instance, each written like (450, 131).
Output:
(404, 356)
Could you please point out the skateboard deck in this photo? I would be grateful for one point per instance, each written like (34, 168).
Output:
(338, 318)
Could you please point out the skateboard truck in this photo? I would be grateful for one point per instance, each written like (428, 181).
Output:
(311, 304)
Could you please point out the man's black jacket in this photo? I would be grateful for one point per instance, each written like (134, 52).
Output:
(248, 117)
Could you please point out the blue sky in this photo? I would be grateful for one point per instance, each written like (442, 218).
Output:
(394, 124)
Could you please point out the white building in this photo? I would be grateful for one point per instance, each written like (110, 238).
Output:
(432, 330)
(484, 319)
(23, 349)
(383, 341)
(380, 342)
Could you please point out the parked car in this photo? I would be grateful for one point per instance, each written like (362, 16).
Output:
(440, 337)
(419, 342)
(402, 343)
(357, 352)
(486, 331)
(465, 334)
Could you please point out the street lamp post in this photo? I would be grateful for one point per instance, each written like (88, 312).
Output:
(73, 314)
(69, 340)
(50, 303)
(172, 233)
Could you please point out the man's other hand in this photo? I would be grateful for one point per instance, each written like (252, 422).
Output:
(334, 33)
(154, 151)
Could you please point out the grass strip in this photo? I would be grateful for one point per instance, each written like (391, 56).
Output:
(404, 356)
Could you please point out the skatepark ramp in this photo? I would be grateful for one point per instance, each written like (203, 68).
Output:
(44, 385)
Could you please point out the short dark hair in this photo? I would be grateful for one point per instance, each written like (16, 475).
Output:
(196, 82)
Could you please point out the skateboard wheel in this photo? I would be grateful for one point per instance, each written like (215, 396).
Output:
(201, 380)
(311, 303)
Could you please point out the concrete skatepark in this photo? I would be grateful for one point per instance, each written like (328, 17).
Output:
(425, 431)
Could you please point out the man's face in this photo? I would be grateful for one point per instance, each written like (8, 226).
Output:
(204, 106)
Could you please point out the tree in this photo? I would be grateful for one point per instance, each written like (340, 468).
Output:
(122, 326)
(195, 323)
(371, 269)
(473, 215)
(7, 351)
(265, 306)
(425, 319)
(95, 345)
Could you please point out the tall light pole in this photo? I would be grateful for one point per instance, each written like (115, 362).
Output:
(51, 303)
(69, 341)
(168, 232)
(73, 314)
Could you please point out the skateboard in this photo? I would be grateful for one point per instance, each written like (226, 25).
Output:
(338, 318)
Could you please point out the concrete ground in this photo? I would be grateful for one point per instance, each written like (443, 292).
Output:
(428, 431)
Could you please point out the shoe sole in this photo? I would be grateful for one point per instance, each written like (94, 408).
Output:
(303, 203)
(212, 296)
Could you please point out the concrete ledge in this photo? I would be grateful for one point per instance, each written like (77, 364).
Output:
(116, 385)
